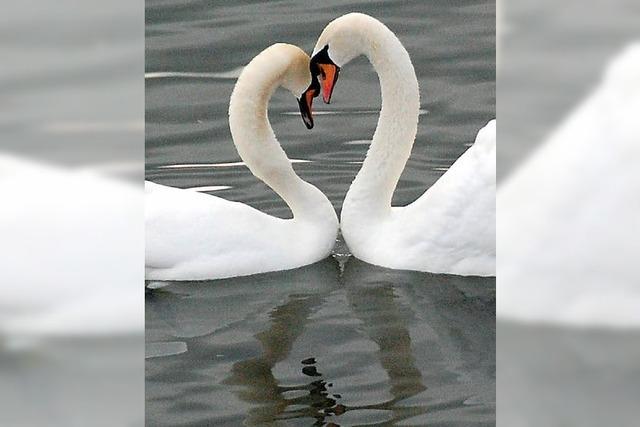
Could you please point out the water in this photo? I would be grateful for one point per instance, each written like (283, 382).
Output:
(391, 347)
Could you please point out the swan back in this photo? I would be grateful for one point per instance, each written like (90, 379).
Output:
(567, 251)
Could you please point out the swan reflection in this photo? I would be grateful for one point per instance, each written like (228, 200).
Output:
(310, 397)
(337, 345)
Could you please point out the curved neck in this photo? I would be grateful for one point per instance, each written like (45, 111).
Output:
(395, 133)
(256, 142)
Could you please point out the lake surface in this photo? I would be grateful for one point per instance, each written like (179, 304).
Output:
(339, 342)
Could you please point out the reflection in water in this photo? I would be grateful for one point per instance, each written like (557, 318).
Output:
(383, 323)
(338, 345)
(255, 374)
(374, 303)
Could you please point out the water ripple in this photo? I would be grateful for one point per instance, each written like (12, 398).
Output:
(231, 74)
(218, 165)
(209, 188)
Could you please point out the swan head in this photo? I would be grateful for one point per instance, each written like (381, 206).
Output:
(324, 69)
(298, 80)
(342, 40)
(279, 65)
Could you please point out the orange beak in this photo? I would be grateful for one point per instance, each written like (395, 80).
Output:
(329, 77)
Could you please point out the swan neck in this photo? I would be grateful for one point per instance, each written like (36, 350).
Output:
(257, 144)
(395, 133)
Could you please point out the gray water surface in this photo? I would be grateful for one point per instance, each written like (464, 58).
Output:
(384, 346)
(380, 347)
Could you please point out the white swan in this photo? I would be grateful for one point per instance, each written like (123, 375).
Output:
(570, 214)
(196, 236)
(71, 249)
(451, 227)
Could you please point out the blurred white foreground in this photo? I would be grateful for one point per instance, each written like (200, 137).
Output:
(570, 214)
(71, 245)
(71, 305)
(71, 254)
(568, 295)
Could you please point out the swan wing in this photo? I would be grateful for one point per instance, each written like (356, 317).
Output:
(453, 223)
(205, 236)
(569, 214)
(67, 234)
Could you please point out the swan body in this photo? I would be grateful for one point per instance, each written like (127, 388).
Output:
(569, 215)
(196, 236)
(71, 251)
(451, 227)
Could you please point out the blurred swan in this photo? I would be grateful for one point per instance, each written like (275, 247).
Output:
(570, 215)
(451, 227)
(195, 236)
(71, 254)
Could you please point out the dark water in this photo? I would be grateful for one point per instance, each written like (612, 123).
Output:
(386, 346)
(382, 347)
